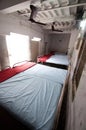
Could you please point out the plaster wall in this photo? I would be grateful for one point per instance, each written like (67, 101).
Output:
(76, 116)
(3, 52)
(12, 23)
(8, 3)
(79, 104)
(59, 42)
(72, 41)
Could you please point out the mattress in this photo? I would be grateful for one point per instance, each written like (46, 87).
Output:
(58, 59)
(33, 95)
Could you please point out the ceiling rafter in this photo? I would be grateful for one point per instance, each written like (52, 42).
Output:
(61, 12)
(58, 18)
(64, 7)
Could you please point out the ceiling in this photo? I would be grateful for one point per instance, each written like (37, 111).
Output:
(64, 13)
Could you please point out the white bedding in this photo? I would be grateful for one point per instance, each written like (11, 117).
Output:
(34, 94)
(58, 59)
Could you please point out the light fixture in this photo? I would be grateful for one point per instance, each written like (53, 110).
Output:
(83, 24)
(36, 39)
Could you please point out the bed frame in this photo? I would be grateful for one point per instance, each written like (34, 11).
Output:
(57, 65)
(58, 111)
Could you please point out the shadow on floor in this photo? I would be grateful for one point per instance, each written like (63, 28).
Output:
(10, 122)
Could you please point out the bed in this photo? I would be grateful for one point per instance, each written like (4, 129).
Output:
(33, 92)
(54, 59)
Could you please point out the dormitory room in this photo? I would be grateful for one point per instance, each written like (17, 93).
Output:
(42, 65)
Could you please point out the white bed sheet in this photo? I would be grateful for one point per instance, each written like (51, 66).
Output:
(34, 94)
(58, 59)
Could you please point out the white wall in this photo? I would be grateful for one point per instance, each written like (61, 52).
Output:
(59, 42)
(46, 42)
(77, 108)
(73, 58)
(76, 114)
(4, 60)
(80, 104)
(12, 23)
(72, 41)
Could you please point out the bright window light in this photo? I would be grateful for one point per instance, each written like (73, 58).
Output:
(36, 39)
(18, 48)
(83, 24)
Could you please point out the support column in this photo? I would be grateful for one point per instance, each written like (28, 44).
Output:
(4, 58)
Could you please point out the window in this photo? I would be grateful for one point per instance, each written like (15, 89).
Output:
(18, 47)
